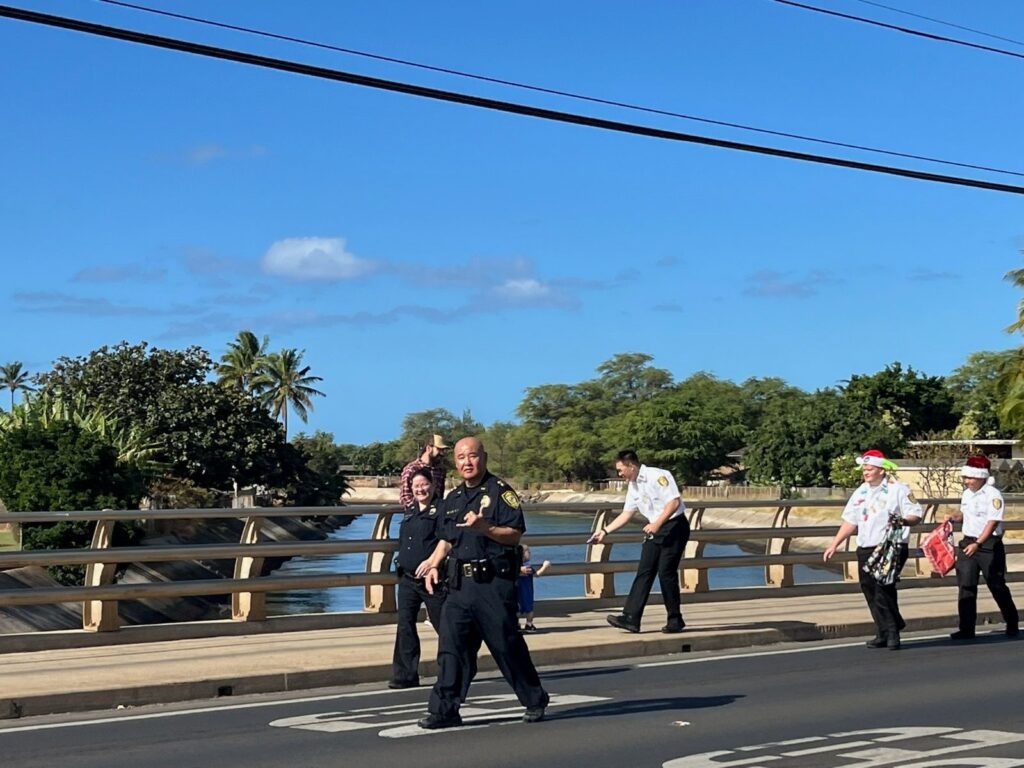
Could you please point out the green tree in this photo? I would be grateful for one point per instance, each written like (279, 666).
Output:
(62, 467)
(498, 439)
(241, 363)
(796, 440)
(320, 481)
(284, 382)
(205, 433)
(1011, 378)
(909, 402)
(14, 378)
(977, 391)
(688, 428)
(629, 377)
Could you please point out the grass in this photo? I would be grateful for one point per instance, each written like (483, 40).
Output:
(7, 540)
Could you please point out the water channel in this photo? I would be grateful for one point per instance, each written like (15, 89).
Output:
(351, 598)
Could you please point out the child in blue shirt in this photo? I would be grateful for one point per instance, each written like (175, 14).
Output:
(524, 588)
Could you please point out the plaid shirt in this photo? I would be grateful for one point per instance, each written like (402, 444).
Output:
(405, 482)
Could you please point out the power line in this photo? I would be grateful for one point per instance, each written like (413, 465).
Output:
(932, 19)
(897, 28)
(284, 65)
(551, 91)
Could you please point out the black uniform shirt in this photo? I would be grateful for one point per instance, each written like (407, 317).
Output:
(418, 535)
(501, 506)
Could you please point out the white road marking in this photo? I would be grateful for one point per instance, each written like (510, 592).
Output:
(481, 718)
(222, 708)
(731, 656)
(837, 744)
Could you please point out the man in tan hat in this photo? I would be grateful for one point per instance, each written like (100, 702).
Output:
(433, 458)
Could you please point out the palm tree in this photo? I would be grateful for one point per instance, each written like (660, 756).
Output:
(1016, 276)
(14, 378)
(283, 382)
(1011, 378)
(240, 365)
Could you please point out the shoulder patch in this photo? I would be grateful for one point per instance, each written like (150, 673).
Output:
(910, 497)
(663, 481)
(997, 503)
(510, 498)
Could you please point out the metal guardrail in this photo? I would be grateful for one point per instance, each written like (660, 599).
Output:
(99, 595)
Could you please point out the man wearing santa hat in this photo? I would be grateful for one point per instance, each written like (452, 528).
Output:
(981, 550)
(867, 512)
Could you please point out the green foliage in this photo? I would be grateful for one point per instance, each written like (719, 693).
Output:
(203, 432)
(420, 426)
(240, 364)
(14, 378)
(903, 402)
(283, 382)
(62, 467)
(845, 472)
(320, 481)
(977, 388)
(795, 441)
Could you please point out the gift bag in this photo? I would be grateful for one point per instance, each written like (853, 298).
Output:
(938, 548)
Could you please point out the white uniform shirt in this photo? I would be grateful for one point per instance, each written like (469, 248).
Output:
(869, 509)
(979, 507)
(651, 491)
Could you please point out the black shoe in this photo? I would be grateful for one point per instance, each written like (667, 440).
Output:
(622, 622)
(533, 714)
(876, 642)
(434, 721)
(961, 634)
(1012, 631)
(674, 627)
(396, 685)
(893, 642)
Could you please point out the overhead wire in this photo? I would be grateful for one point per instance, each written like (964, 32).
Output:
(284, 65)
(552, 91)
(939, 21)
(898, 28)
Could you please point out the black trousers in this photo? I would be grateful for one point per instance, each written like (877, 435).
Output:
(474, 611)
(989, 561)
(881, 598)
(659, 556)
(412, 594)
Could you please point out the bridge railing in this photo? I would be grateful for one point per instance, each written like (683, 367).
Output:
(99, 595)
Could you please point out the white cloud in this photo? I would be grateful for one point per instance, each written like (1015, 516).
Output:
(526, 289)
(314, 258)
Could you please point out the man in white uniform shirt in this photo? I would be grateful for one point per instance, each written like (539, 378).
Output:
(652, 492)
(981, 550)
(867, 512)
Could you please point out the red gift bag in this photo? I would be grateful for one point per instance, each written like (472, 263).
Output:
(938, 548)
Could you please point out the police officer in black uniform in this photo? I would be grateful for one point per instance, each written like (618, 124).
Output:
(482, 524)
(418, 537)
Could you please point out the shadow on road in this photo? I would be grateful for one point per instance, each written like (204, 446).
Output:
(641, 706)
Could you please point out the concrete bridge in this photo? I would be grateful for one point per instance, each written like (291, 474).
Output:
(106, 666)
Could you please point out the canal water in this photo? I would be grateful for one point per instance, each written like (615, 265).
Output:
(351, 598)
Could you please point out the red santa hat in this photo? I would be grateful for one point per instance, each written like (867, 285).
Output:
(875, 458)
(978, 467)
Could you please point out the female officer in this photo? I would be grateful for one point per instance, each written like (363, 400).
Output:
(868, 513)
(981, 550)
(418, 537)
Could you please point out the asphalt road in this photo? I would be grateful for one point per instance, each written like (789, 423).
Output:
(801, 706)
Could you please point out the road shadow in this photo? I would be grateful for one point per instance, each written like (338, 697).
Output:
(642, 706)
(568, 674)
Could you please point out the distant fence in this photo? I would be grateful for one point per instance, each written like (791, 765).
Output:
(99, 595)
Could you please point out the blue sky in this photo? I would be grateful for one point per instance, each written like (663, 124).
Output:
(433, 255)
